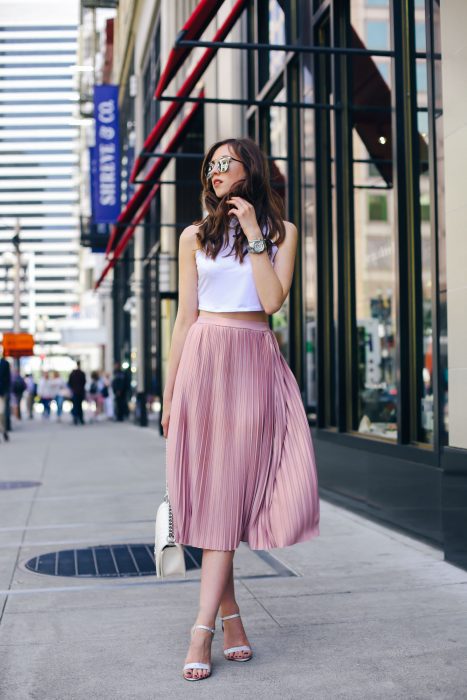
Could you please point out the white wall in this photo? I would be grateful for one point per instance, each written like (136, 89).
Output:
(454, 76)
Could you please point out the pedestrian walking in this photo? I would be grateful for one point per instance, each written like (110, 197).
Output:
(240, 459)
(108, 397)
(95, 394)
(77, 384)
(5, 388)
(46, 393)
(59, 389)
(18, 387)
(31, 393)
(119, 388)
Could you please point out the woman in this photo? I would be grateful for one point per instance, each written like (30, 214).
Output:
(59, 392)
(46, 393)
(240, 460)
(95, 393)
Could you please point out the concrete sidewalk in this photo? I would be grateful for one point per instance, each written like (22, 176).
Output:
(359, 612)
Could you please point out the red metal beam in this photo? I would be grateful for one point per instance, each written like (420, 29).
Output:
(157, 169)
(190, 82)
(199, 19)
(150, 190)
(127, 236)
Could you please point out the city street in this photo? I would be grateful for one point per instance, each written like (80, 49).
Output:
(360, 612)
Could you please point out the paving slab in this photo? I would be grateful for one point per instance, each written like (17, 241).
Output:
(360, 612)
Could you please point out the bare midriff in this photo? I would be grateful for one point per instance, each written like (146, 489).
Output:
(242, 315)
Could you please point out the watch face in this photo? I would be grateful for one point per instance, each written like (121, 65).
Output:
(259, 246)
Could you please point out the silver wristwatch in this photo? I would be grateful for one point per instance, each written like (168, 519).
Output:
(256, 246)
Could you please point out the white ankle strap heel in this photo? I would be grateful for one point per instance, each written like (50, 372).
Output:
(232, 650)
(198, 664)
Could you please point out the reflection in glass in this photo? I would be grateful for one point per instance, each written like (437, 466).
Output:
(276, 36)
(309, 239)
(374, 229)
(377, 34)
(426, 408)
(375, 301)
(278, 167)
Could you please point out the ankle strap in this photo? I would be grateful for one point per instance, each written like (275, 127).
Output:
(229, 617)
(205, 627)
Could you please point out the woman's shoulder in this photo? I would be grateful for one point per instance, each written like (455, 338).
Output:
(289, 227)
(290, 231)
(188, 236)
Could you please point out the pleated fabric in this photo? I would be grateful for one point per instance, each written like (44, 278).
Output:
(240, 459)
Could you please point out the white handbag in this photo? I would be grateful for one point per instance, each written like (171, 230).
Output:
(168, 554)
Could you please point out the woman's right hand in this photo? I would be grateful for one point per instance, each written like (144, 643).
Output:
(166, 405)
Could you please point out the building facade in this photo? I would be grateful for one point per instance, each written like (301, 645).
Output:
(39, 167)
(361, 116)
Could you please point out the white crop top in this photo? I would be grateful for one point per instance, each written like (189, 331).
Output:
(225, 284)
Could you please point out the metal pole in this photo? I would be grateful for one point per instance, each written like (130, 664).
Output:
(17, 267)
(32, 293)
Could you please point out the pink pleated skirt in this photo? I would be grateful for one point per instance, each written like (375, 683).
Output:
(240, 459)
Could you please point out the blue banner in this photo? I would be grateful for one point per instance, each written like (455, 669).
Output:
(105, 195)
(93, 180)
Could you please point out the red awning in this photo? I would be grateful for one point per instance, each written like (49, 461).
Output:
(159, 166)
(190, 82)
(199, 19)
(149, 190)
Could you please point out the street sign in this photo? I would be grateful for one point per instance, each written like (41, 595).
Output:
(18, 344)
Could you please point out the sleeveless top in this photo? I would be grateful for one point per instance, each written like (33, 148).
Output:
(225, 284)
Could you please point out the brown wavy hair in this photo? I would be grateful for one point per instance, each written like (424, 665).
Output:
(255, 188)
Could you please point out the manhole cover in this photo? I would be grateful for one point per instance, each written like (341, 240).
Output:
(5, 485)
(112, 561)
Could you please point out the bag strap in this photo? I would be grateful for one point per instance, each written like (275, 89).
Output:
(171, 538)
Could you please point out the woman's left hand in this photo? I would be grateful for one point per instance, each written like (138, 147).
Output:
(245, 213)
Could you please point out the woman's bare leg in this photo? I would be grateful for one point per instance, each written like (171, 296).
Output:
(215, 569)
(228, 603)
(234, 633)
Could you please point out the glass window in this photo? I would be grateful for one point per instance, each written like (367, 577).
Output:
(421, 79)
(377, 207)
(379, 253)
(384, 68)
(420, 39)
(375, 309)
(276, 36)
(377, 34)
(270, 29)
(278, 168)
(308, 225)
(374, 234)
(424, 207)
(425, 433)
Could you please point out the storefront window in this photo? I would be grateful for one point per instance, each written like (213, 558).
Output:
(309, 233)
(391, 222)
(278, 167)
(377, 207)
(426, 407)
(375, 303)
(270, 29)
(377, 34)
(152, 282)
(276, 36)
(374, 229)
